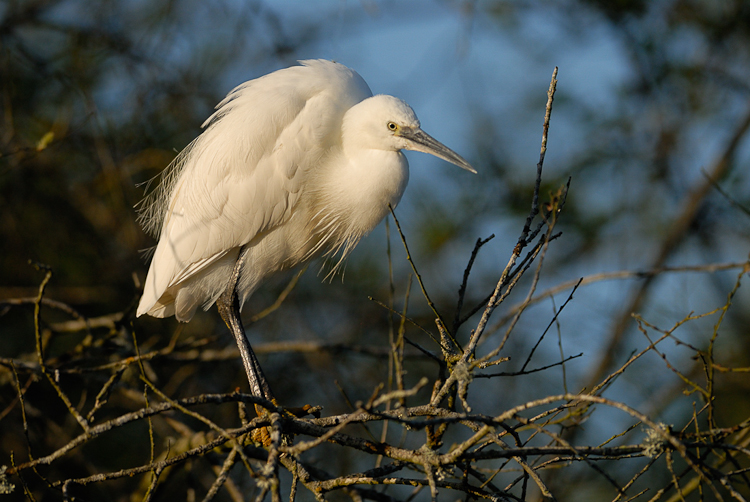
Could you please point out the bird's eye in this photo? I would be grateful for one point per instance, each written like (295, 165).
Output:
(392, 126)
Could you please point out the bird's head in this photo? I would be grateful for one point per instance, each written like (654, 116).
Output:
(387, 123)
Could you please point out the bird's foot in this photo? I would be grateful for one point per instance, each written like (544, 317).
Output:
(305, 411)
(262, 435)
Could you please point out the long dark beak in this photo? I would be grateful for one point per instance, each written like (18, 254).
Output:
(420, 141)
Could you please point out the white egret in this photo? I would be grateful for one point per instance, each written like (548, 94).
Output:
(296, 164)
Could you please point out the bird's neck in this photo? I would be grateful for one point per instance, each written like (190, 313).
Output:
(367, 181)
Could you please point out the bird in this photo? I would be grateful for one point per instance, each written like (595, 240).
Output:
(297, 164)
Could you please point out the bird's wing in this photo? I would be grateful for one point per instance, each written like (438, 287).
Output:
(244, 174)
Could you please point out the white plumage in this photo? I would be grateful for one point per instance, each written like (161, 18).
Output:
(298, 163)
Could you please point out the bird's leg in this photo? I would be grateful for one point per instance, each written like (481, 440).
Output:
(229, 309)
(228, 305)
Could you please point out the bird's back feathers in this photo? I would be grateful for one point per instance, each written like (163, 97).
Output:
(240, 179)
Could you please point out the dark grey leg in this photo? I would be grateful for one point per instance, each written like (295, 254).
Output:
(229, 309)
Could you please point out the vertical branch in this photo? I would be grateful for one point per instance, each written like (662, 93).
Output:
(449, 343)
(398, 347)
(152, 487)
(710, 351)
(461, 370)
(40, 349)
(25, 423)
(295, 481)
(560, 347)
(37, 309)
(223, 475)
(391, 300)
(154, 475)
(271, 469)
(462, 289)
(393, 367)
(522, 242)
(557, 205)
(523, 238)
